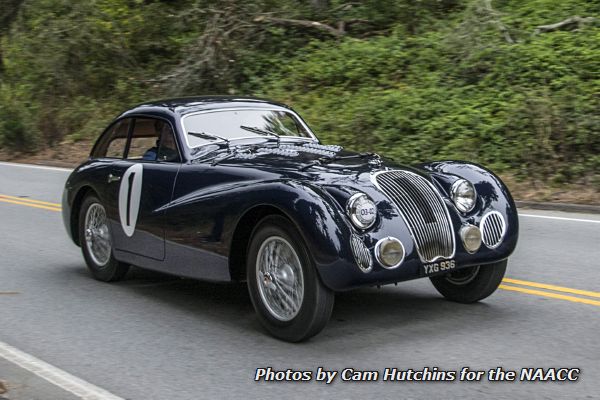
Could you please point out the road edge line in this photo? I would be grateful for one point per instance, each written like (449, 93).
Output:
(54, 375)
(557, 206)
(593, 221)
(23, 165)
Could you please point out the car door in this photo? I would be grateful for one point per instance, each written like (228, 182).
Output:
(140, 185)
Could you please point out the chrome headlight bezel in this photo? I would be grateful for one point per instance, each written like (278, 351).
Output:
(463, 201)
(354, 209)
(380, 256)
(466, 234)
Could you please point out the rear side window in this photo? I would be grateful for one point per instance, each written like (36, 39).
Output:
(112, 143)
(152, 140)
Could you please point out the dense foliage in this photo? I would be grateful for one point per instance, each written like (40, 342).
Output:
(414, 79)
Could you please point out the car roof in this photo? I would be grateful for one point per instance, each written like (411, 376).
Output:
(187, 105)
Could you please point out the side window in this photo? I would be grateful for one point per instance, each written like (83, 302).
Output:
(112, 143)
(151, 140)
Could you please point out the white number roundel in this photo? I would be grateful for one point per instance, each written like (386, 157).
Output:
(129, 197)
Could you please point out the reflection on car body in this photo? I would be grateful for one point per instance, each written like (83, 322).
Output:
(240, 189)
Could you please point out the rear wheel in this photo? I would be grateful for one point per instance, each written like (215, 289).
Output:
(96, 242)
(285, 289)
(468, 285)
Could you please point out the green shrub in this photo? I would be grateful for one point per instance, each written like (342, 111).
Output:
(415, 80)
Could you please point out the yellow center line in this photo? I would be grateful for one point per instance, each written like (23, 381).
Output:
(551, 295)
(27, 200)
(552, 287)
(57, 207)
(22, 203)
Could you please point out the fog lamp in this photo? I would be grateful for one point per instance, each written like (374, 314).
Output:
(471, 237)
(389, 252)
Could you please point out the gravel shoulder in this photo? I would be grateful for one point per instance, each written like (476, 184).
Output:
(531, 193)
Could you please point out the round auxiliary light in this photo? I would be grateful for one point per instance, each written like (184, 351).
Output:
(463, 195)
(361, 211)
(389, 252)
(471, 237)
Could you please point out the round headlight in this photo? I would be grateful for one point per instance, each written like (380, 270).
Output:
(463, 195)
(471, 237)
(361, 211)
(389, 252)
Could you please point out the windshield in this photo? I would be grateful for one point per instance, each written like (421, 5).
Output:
(208, 127)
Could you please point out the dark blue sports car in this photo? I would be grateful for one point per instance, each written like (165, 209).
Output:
(240, 189)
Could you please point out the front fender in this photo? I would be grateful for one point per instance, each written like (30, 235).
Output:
(493, 194)
(208, 219)
(317, 216)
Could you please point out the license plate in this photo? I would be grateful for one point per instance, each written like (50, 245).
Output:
(438, 267)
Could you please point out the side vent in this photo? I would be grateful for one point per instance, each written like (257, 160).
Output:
(361, 254)
(493, 229)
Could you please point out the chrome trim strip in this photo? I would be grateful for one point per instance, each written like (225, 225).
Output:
(423, 198)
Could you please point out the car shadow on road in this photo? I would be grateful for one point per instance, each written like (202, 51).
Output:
(398, 312)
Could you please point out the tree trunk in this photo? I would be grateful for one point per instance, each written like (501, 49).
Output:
(568, 24)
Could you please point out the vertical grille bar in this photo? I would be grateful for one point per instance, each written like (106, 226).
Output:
(423, 210)
(361, 254)
(493, 228)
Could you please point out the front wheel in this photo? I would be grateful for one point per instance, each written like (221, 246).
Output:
(471, 284)
(285, 289)
(96, 242)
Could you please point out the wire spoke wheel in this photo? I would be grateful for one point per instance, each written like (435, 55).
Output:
(463, 276)
(279, 278)
(289, 298)
(97, 236)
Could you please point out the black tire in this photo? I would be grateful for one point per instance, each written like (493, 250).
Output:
(469, 285)
(110, 271)
(317, 302)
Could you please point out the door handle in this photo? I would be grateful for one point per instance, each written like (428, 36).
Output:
(113, 178)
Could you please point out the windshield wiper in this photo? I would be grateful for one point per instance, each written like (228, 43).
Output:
(263, 132)
(208, 136)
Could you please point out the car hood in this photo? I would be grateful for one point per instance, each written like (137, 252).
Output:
(318, 164)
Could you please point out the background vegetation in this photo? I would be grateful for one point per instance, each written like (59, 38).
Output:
(482, 80)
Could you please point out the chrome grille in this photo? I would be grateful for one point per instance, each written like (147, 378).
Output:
(361, 253)
(493, 229)
(423, 211)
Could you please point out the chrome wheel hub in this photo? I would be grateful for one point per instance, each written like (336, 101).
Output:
(97, 237)
(280, 278)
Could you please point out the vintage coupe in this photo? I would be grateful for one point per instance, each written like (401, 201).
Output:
(240, 189)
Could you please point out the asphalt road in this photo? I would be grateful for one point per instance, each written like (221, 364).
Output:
(158, 337)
